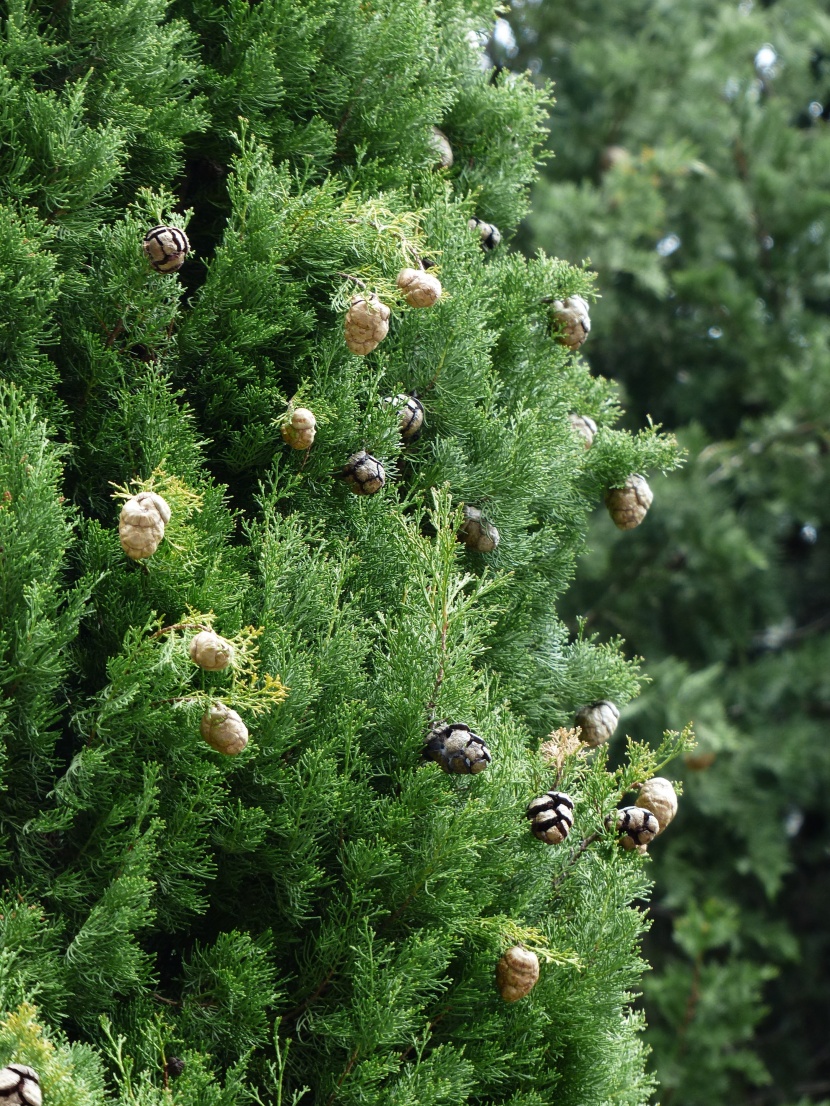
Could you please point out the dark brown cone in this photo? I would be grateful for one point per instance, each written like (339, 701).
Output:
(551, 817)
(457, 749)
(364, 473)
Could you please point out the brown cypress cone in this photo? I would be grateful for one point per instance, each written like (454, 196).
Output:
(457, 749)
(597, 722)
(166, 248)
(300, 430)
(477, 533)
(419, 289)
(551, 817)
(571, 320)
(584, 426)
(634, 825)
(517, 973)
(141, 524)
(658, 796)
(629, 505)
(210, 651)
(410, 414)
(367, 323)
(223, 729)
(364, 473)
(443, 150)
(490, 234)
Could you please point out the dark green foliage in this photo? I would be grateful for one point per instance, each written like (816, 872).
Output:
(28, 290)
(692, 160)
(39, 614)
(319, 917)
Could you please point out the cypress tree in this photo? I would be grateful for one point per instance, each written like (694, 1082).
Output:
(319, 916)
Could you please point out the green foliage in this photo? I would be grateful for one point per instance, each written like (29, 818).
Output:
(30, 962)
(28, 290)
(40, 612)
(227, 993)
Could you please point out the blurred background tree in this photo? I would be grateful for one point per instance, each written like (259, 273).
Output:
(692, 166)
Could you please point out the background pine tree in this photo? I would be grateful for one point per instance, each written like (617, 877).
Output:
(317, 919)
(691, 165)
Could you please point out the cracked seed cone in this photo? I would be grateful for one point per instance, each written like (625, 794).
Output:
(629, 505)
(364, 473)
(634, 825)
(223, 729)
(457, 749)
(166, 248)
(19, 1086)
(597, 722)
(141, 524)
(551, 817)
(490, 234)
(210, 651)
(299, 432)
(571, 319)
(584, 426)
(420, 289)
(517, 973)
(367, 324)
(477, 533)
(658, 796)
(410, 414)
